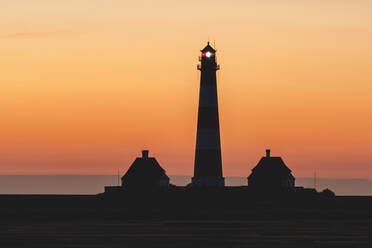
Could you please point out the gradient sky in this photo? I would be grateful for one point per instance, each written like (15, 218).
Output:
(86, 84)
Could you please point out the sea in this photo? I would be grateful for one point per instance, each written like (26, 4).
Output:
(94, 184)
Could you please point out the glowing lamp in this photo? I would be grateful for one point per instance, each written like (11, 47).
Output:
(207, 54)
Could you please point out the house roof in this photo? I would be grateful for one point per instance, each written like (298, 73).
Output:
(143, 168)
(271, 167)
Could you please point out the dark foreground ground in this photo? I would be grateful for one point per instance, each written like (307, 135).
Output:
(204, 219)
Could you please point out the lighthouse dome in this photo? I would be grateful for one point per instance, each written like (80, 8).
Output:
(208, 48)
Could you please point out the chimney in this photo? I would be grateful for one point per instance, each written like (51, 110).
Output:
(268, 153)
(145, 154)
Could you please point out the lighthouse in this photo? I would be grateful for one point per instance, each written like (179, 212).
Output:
(208, 164)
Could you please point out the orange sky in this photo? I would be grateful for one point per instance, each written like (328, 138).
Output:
(86, 84)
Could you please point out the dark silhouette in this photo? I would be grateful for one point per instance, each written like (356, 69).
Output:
(327, 193)
(145, 172)
(197, 218)
(271, 173)
(208, 165)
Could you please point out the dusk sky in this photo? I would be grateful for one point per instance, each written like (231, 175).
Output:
(85, 85)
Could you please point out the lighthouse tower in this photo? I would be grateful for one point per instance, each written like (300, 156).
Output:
(208, 164)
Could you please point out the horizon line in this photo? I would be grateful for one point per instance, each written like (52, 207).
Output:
(65, 174)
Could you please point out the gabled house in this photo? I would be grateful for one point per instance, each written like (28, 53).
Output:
(271, 173)
(145, 172)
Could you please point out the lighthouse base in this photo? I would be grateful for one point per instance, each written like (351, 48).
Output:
(208, 182)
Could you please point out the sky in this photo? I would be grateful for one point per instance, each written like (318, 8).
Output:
(85, 85)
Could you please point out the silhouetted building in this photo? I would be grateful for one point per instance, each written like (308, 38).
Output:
(145, 172)
(208, 165)
(271, 173)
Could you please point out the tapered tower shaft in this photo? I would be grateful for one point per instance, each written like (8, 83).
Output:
(208, 164)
